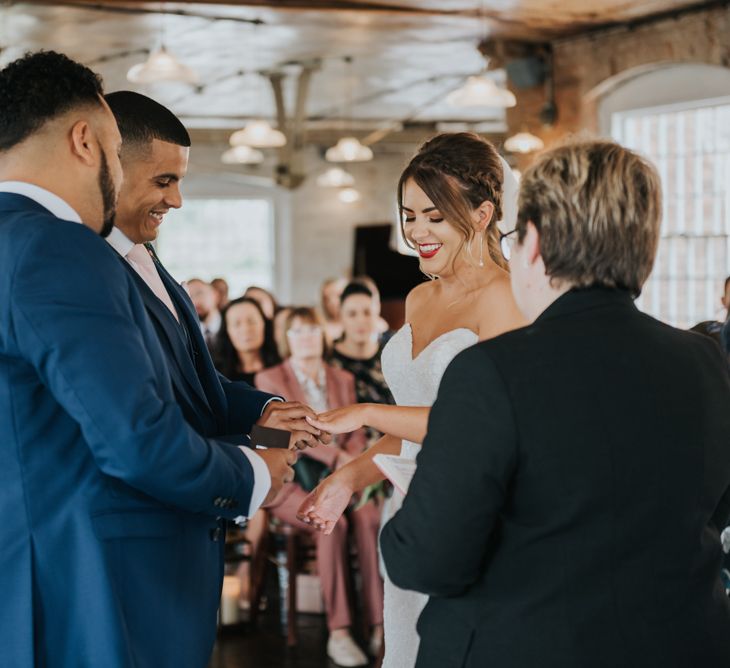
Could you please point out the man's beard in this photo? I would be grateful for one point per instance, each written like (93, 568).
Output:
(108, 196)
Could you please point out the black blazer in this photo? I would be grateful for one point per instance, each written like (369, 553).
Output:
(211, 404)
(569, 497)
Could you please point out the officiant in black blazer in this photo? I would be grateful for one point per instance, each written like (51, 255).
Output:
(573, 484)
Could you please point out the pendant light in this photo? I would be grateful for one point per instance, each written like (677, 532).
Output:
(349, 149)
(349, 195)
(524, 142)
(258, 134)
(242, 155)
(335, 177)
(481, 91)
(161, 66)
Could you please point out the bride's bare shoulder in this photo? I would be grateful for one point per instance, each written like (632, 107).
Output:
(497, 310)
(419, 296)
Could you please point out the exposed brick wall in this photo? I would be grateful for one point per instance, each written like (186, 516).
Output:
(583, 63)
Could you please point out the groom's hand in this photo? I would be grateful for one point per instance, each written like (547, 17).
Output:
(291, 416)
(279, 463)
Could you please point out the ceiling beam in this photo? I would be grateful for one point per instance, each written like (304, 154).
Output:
(283, 5)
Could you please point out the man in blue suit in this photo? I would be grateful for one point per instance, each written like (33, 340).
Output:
(154, 157)
(108, 498)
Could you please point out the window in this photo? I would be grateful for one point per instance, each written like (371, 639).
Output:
(231, 238)
(690, 145)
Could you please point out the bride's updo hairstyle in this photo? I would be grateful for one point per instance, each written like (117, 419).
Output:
(458, 171)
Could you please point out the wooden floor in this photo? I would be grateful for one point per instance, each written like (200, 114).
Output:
(264, 646)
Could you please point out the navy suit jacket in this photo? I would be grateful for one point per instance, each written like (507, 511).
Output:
(214, 407)
(108, 499)
(210, 402)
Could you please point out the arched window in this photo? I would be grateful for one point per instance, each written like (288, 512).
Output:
(679, 117)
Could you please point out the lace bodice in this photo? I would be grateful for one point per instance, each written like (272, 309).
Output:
(415, 381)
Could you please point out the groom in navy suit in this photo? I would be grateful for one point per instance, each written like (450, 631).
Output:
(154, 157)
(108, 499)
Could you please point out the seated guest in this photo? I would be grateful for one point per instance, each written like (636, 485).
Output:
(570, 493)
(305, 376)
(220, 285)
(244, 347)
(280, 329)
(245, 343)
(205, 300)
(384, 330)
(330, 306)
(714, 328)
(358, 351)
(266, 300)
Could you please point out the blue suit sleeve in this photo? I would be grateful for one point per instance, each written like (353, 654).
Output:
(74, 321)
(245, 404)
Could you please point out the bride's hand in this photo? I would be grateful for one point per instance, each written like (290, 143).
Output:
(341, 420)
(325, 503)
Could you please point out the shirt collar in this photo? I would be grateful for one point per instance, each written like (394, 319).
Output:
(48, 200)
(120, 242)
(214, 324)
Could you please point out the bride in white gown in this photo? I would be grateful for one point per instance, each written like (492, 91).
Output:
(451, 196)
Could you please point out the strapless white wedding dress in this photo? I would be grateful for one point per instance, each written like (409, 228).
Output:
(413, 382)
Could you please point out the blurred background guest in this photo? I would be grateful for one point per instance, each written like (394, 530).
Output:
(205, 300)
(245, 343)
(384, 330)
(306, 377)
(220, 285)
(330, 306)
(714, 328)
(280, 329)
(358, 350)
(266, 300)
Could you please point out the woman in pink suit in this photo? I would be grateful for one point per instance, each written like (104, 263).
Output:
(305, 377)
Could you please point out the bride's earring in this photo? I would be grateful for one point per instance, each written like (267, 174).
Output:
(481, 249)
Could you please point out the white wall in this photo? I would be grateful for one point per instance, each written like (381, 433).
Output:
(314, 230)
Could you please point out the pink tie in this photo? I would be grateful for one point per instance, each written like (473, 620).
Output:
(141, 260)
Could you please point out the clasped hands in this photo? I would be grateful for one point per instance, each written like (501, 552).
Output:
(289, 416)
(325, 504)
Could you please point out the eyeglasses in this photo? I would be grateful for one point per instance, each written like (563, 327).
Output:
(305, 330)
(505, 243)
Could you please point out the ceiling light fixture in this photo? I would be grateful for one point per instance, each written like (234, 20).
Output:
(349, 149)
(481, 91)
(335, 177)
(349, 195)
(258, 134)
(161, 66)
(524, 142)
(242, 155)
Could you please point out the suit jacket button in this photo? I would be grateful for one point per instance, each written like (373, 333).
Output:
(218, 502)
(234, 503)
(215, 534)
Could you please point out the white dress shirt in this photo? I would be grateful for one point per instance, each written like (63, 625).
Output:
(48, 200)
(63, 210)
(212, 326)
